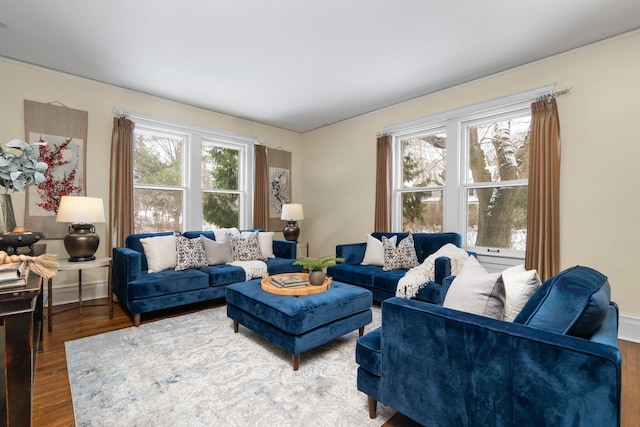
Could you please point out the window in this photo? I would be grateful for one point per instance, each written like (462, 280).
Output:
(188, 178)
(423, 178)
(466, 171)
(158, 177)
(220, 186)
(495, 185)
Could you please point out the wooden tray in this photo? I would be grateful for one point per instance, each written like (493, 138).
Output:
(307, 290)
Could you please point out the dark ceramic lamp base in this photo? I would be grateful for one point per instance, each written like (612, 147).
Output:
(291, 231)
(81, 243)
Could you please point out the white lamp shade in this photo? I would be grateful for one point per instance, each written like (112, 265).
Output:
(292, 212)
(80, 209)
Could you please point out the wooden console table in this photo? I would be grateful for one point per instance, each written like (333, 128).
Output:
(66, 265)
(21, 319)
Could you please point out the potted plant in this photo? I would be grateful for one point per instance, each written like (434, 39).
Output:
(316, 267)
(18, 170)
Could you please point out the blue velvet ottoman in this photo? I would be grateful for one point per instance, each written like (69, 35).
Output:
(299, 323)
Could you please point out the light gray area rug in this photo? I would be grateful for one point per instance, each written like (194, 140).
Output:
(193, 370)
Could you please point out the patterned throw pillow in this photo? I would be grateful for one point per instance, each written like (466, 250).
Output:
(404, 256)
(246, 248)
(190, 253)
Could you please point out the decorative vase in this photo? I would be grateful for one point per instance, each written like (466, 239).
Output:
(7, 217)
(316, 277)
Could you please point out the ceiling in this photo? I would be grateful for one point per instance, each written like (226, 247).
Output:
(299, 64)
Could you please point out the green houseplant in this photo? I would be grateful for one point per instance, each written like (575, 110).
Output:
(316, 267)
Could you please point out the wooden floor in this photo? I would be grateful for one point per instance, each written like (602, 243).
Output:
(52, 397)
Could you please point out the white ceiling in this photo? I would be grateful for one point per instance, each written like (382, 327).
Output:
(299, 64)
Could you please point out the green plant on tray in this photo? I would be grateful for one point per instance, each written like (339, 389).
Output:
(317, 264)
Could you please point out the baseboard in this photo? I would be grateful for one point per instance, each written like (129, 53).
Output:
(629, 328)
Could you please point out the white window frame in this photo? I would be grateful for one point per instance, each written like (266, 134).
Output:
(192, 166)
(455, 188)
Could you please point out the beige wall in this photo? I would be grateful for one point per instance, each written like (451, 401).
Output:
(600, 202)
(19, 82)
(334, 167)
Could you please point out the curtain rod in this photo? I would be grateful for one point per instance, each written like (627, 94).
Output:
(553, 93)
(121, 113)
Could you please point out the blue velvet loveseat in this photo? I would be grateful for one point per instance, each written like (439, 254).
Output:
(383, 283)
(557, 364)
(142, 291)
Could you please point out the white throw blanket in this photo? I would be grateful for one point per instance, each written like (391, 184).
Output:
(417, 277)
(252, 269)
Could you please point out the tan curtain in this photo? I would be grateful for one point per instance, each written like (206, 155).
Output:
(261, 189)
(121, 181)
(382, 221)
(543, 221)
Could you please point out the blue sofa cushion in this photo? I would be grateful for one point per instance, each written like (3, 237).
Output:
(167, 282)
(363, 275)
(282, 265)
(221, 275)
(368, 351)
(297, 315)
(573, 302)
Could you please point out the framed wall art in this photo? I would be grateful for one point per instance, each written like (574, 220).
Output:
(279, 185)
(65, 132)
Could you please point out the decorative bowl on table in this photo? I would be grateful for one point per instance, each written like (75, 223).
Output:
(19, 237)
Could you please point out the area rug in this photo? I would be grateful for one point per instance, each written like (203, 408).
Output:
(193, 370)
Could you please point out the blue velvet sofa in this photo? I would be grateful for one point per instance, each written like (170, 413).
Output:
(141, 292)
(383, 283)
(557, 364)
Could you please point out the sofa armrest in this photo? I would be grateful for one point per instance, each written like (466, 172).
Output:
(353, 253)
(458, 368)
(441, 269)
(285, 249)
(126, 267)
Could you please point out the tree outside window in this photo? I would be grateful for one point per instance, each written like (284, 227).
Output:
(220, 195)
(496, 183)
(158, 181)
(423, 179)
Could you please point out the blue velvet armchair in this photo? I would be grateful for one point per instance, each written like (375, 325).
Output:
(443, 367)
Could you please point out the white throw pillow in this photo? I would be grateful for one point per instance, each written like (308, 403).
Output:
(374, 253)
(222, 233)
(520, 285)
(160, 252)
(476, 291)
(265, 238)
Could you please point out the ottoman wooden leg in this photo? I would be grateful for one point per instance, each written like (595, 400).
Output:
(373, 407)
(361, 331)
(296, 361)
(136, 319)
(235, 327)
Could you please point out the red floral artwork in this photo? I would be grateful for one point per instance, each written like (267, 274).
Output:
(56, 184)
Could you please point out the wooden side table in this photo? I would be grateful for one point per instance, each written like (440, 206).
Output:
(19, 351)
(66, 265)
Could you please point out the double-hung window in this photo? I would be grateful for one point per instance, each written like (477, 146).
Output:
(189, 178)
(466, 170)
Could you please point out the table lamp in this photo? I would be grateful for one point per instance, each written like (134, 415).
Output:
(82, 241)
(291, 213)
